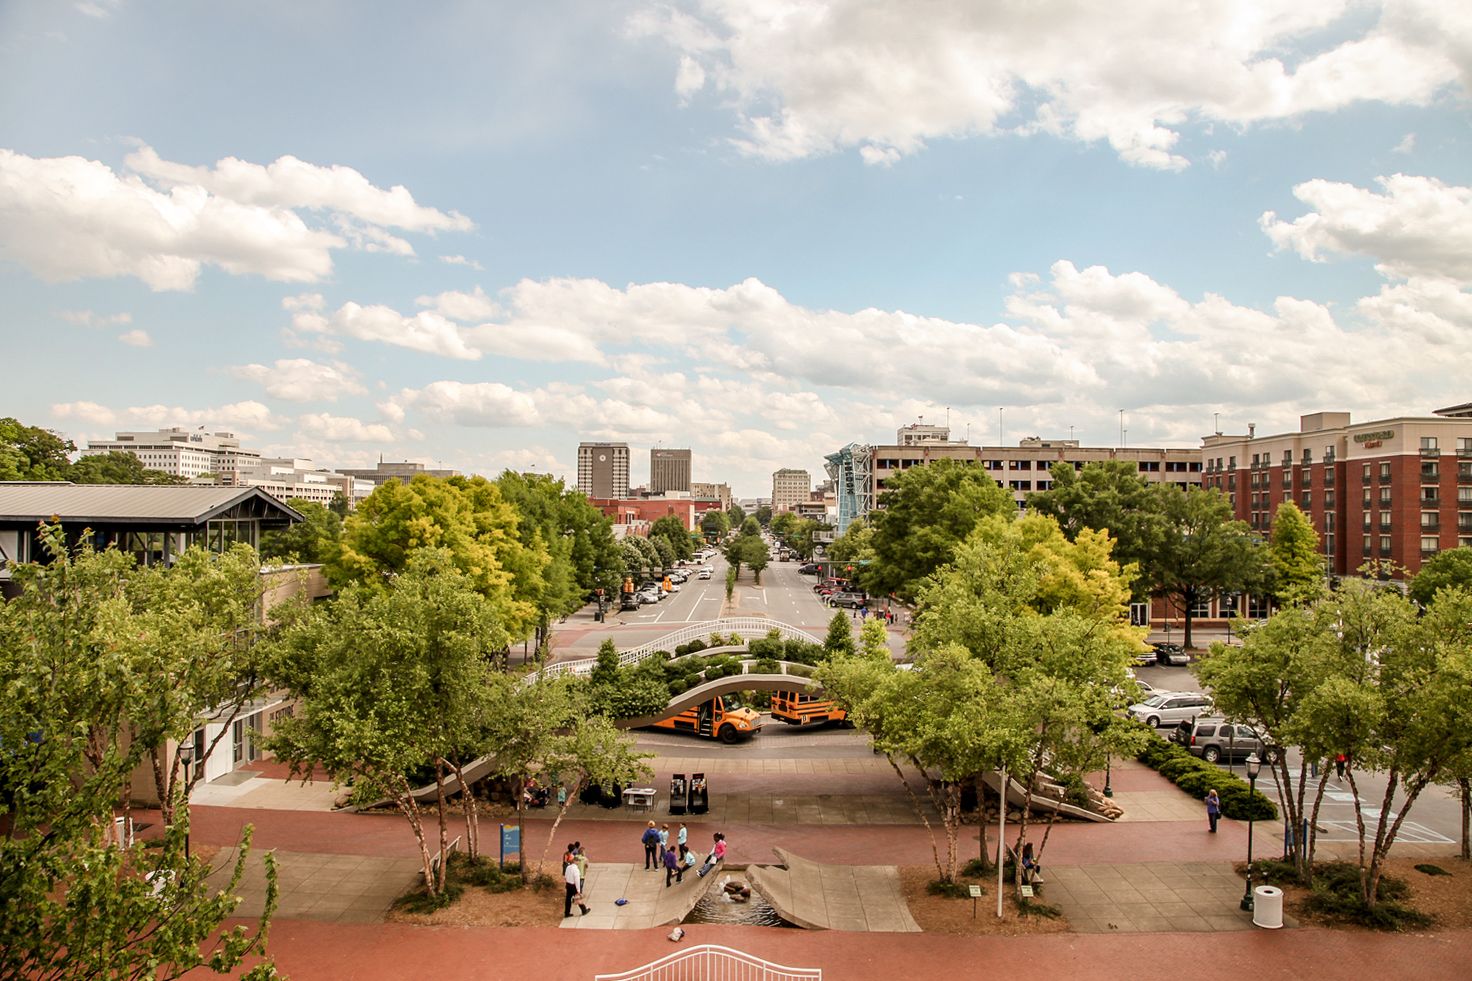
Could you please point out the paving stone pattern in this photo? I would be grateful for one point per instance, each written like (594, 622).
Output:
(1149, 897)
(331, 888)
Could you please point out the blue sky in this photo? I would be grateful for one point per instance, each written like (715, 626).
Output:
(477, 233)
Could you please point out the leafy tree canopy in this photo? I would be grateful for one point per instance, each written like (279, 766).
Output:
(314, 539)
(116, 467)
(1296, 559)
(32, 453)
(1108, 496)
(927, 512)
(1203, 549)
(1444, 570)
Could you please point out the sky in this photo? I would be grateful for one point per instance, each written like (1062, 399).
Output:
(473, 234)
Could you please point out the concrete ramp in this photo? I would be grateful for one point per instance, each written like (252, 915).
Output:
(1017, 793)
(860, 898)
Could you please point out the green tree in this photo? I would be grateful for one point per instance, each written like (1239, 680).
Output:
(854, 546)
(782, 525)
(1110, 496)
(467, 517)
(397, 682)
(1444, 570)
(715, 525)
(653, 561)
(873, 639)
(754, 553)
(591, 753)
(32, 453)
(605, 671)
(927, 512)
(749, 528)
(665, 550)
(764, 515)
(313, 539)
(83, 668)
(840, 639)
(116, 467)
(673, 530)
(735, 515)
(1296, 560)
(633, 559)
(1203, 549)
(340, 505)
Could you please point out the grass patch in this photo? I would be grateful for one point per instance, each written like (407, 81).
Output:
(1428, 869)
(1336, 897)
(951, 890)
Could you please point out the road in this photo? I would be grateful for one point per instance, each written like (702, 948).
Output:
(1435, 818)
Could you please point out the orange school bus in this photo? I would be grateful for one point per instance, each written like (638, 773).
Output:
(723, 718)
(800, 709)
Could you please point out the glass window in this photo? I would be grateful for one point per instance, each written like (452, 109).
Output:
(1385, 497)
(1430, 543)
(1384, 544)
(1428, 442)
(1385, 473)
(1365, 473)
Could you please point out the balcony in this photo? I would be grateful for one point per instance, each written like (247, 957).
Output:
(1464, 473)
(1431, 500)
(1430, 473)
(1430, 451)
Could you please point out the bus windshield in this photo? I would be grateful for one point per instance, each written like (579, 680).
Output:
(731, 702)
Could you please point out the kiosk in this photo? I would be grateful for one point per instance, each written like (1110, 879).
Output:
(679, 794)
(699, 796)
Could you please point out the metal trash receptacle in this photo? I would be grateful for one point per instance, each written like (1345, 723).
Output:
(1267, 907)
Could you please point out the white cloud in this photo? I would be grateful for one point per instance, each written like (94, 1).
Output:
(303, 380)
(294, 184)
(100, 9)
(243, 418)
(1406, 145)
(67, 218)
(90, 318)
(468, 308)
(460, 260)
(136, 338)
(344, 428)
(809, 78)
(1418, 226)
(426, 331)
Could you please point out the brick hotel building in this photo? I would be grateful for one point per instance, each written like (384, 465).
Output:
(1391, 490)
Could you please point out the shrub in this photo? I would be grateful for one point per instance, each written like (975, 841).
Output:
(1336, 896)
(976, 868)
(1427, 868)
(1031, 907)
(800, 671)
(767, 665)
(766, 647)
(1075, 791)
(951, 890)
(721, 666)
(695, 645)
(1196, 777)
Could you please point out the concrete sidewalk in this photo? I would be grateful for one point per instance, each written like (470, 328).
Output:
(650, 903)
(1148, 897)
(863, 898)
(331, 888)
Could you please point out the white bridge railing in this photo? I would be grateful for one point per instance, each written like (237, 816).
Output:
(748, 628)
(710, 962)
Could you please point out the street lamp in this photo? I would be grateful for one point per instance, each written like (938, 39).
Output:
(186, 758)
(1108, 787)
(1253, 766)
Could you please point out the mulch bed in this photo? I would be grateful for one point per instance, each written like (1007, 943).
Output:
(941, 914)
(1445, 898)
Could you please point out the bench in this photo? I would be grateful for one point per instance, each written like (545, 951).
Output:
(434, 860)
(639, 798)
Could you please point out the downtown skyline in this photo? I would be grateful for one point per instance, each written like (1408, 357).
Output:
(479, 234)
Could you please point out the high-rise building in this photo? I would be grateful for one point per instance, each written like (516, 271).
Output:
(187, 453)
(669, 470)
(789, 489)
(603, 470)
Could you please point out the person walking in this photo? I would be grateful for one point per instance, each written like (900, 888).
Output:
(1339, 763)
(1213, 808)
(664, 841)
(574, 880)
(672, 870)
(651, 847)
(580, 858)
(683, 836)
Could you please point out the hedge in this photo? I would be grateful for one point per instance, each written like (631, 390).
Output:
(1196, 776)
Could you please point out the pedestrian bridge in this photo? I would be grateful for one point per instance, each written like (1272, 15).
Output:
(747, 628)
(747, 680)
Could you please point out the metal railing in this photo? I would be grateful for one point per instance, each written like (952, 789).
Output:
(748, 628)
(712, 962)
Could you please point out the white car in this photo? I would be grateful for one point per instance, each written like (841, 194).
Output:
(704, 574)
(647, 596)
(1170, 708)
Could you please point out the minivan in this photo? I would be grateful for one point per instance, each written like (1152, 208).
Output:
(1172, 707)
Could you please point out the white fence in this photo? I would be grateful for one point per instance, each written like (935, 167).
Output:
(710, 962)
(749, 628)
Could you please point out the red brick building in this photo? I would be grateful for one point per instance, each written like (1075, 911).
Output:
(627, 511)
(1391, 490)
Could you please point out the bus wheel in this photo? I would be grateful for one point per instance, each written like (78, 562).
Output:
(728, 734)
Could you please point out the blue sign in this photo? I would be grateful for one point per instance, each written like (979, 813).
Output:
(510, 841)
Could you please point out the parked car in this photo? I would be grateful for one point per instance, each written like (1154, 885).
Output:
(628, 601)
(1171, 655)
(848, 600)
(1172, 707)
(648, 596)
(678, 576)
(811, 569)
(1216, 739)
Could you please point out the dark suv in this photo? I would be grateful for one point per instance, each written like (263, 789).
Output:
(1215, 740)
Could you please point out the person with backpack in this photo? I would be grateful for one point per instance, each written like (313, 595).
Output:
(651, 848)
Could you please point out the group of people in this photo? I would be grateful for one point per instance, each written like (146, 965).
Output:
(574, 874)
(676, 858)
(888, 616)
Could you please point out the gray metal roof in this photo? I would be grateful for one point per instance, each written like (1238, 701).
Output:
(126, 503)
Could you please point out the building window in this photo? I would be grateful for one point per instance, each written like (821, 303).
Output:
(1020, 465)
(1367, 549)
(1329, 500)
(1385, 473)
(1464, 496)
(1307, 501)
(1369, 522)
(1308, 457)
(1367, 499)
(1384, 544)
(1430, 472)
(1257, 607)
(1430, 545)
(1022, 485)
(1287, 479)
(1464, 446)
(1428, 446)
(1384, 520)
(1430, 496)
(1385, 497)
(1231, 463)
(1328, 476)
(1464, 521)
(1430, 520)
(1365, 474)
(1287, 458)
(1201, 608)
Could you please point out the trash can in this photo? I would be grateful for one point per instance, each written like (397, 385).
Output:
(678, 793)
(1267, 907)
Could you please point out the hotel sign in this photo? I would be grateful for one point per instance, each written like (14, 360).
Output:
(1372, 440)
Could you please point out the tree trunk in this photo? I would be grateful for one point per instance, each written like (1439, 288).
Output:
(1359, 821)
(472, 813)
(986, 862)
(934, 851)
(161, 784)
(1047, 830)
(404, 801)
(439, 799)
(951, 817)
(561, 813)
(1189, 595)
(1313, 829)
(1466, 787)
(521, 830)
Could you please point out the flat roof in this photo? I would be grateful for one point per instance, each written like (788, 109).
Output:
(31, 502)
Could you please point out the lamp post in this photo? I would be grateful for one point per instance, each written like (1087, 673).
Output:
(1253, 766)
(1108, 787)
(186, 758)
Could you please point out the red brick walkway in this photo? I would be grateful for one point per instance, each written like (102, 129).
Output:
(306, 950)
